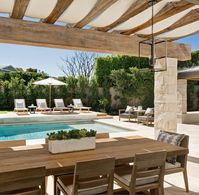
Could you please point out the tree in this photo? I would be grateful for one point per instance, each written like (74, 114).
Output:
(79, 64)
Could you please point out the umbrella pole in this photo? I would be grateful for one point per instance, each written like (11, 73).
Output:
(50, 96)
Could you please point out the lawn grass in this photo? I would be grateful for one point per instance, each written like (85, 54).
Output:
(3, 111)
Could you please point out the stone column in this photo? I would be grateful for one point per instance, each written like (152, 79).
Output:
(182, 96)
(165, 97)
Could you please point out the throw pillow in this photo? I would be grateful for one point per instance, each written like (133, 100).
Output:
(170, 139)
(129, 109)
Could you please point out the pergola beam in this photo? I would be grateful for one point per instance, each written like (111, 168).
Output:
(99, 8)
(189, 18)
(196, 2)
(136, 8)
(169, 10)
(19, 9)
(58, 10)
(48, 35)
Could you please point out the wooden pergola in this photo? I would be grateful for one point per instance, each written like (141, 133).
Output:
(109, 26)
(113, 26)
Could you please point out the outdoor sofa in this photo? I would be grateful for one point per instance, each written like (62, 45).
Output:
(127, 113)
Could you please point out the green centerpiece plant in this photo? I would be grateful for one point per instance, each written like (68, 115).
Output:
(72, 140)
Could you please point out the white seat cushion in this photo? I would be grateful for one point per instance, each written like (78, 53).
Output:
(170, 165)
(124, 175)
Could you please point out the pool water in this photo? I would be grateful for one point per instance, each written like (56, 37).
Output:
(39, 131)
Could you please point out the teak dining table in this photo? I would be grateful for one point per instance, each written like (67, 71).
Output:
(122, 148)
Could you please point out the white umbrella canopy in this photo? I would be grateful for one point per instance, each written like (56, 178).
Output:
(50, 82)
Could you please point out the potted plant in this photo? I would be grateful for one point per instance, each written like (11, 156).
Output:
(72, 140)
(103, 102)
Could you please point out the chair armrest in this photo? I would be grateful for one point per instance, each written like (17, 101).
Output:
(121, 110)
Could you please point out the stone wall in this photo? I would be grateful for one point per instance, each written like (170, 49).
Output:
(165, 101)
(182, 96)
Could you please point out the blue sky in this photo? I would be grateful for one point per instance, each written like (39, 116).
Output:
(48, 59)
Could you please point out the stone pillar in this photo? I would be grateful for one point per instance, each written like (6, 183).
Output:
(182, 96)
(165, 97)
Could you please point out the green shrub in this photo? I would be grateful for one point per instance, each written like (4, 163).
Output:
(71, 134)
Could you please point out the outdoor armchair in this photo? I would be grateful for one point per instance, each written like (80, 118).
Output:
(179, 163)
(60, 106)
(20, 106)
(42, 105)
(147, 118)
(146, 173)
(90, 177)
(127, 113)
(79, 105)
(29, 181)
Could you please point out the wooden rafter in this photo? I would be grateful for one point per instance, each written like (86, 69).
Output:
(136, 8)
(99, 8)
(191, 17)
(47, 35)
(58, 10)
(169, 10)
(19, 9)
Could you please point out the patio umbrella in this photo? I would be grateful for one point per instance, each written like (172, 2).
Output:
(50, 82)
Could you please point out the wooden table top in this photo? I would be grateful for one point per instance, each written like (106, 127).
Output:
(123, 149)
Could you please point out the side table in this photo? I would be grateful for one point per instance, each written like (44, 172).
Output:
(32, 109)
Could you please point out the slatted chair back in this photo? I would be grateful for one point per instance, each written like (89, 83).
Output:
(102, 135)
(148, 166)
(95, 173)
(12, 143)
(25, 180)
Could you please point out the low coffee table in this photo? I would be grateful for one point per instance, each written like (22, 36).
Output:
(32, 109)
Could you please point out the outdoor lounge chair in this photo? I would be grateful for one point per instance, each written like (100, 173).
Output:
(60, 106)
(20, 106)
(42, 105)
(147, 118)
(146, 173)
(88, 178)
(29, 181)
(180, 164)
(79, 106)
(127, 113)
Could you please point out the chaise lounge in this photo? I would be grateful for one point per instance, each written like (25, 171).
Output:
(20, 106)
(79, 105)
(60, 106)
(42, 105)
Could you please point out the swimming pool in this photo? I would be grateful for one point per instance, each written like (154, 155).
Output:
(39, 131)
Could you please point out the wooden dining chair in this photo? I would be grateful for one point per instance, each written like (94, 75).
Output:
(24, 181)
(12, 143)
(102, 135)
(90, 177)
(146, 173)
(181, 161)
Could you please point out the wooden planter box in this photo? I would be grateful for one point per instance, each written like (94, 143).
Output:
(71, 145)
